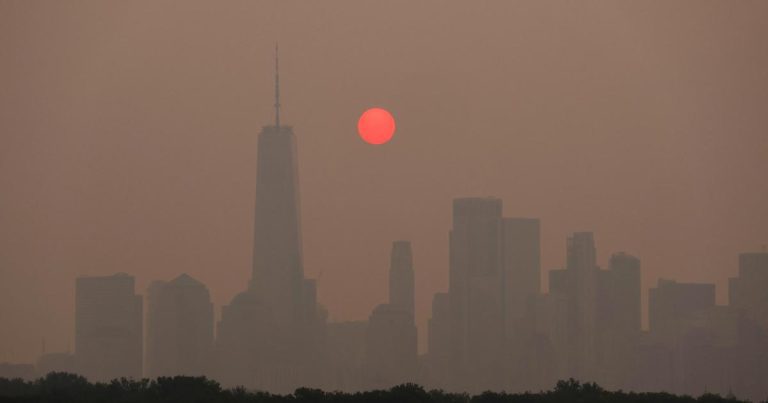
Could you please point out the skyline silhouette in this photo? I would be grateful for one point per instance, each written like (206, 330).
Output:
(493, 329)
(433, 258)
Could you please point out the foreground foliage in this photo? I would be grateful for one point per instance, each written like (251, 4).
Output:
(64, 387)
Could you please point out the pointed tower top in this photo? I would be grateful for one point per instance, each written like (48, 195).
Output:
(277, 89)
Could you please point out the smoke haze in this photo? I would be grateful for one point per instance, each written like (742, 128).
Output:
(128, 135)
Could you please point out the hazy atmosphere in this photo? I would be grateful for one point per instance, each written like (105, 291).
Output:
(128, 140)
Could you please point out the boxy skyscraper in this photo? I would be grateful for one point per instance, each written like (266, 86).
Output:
(108, 328)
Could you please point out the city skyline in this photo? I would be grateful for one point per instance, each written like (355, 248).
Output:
(190, 214)
(493, 328)
(109, 326)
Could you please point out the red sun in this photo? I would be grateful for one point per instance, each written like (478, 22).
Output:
(376, 126)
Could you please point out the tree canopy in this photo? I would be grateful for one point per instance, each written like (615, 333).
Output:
(71, 388)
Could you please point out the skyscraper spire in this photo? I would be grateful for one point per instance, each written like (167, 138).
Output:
(277, 89)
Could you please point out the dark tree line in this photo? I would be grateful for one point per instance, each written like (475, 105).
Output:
(65, 387)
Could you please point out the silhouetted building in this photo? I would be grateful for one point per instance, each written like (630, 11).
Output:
(346, 342)
(391, 356)
(696, 346)
(653, 365)
(401, 277)
(390, 353)
(439, 343)
(494, 283)
(108, 328)
(578, 283)
(749, 291)
(521, 277)
(476, 293)
(522, 270)
(246, 340)
(278, 269)
(705, 352)
(271, 335)
(675, 310)
(670, 304)
(617, 320)
(625, 293)
(179, 328)
(582, 262)
(748, 299)
(552, 317)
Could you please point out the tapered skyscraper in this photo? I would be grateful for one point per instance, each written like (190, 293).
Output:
(278, 270)
(269, 335)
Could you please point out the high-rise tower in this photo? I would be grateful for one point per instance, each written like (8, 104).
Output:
(578, 285)
(179, 328)
(108, 328)
(278, 270)
(475, 292)
(390, 341)
(747, 292)
(269, 335)
(401, 287)
(522, 269)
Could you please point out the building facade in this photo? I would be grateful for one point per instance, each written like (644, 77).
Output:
(108, 328)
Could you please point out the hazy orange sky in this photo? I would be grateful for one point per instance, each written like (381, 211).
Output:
(128, 139)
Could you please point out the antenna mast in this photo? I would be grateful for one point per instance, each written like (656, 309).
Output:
(277, 89)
